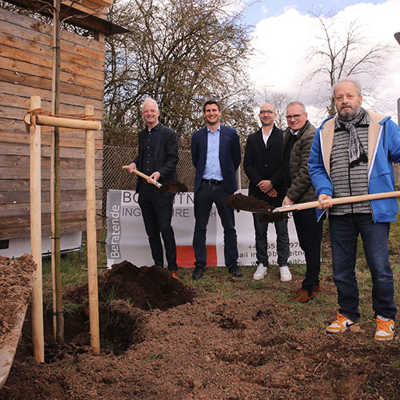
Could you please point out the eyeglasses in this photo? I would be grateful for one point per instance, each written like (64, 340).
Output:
(295, 116)
(266, 112)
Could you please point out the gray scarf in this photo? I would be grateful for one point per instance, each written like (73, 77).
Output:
(356, 151)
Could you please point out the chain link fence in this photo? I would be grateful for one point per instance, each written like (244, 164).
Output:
(114, 177)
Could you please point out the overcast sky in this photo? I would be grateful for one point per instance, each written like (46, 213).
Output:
(286, 31)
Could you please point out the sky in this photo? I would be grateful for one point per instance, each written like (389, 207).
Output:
(285, 35)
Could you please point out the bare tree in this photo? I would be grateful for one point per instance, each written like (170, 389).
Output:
(181, 52)
(343, 55)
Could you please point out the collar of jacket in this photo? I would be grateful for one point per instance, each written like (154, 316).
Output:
(327, 132)
(300, 132)
(274, 129)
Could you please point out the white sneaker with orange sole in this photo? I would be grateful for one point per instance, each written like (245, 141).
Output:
(384, 329)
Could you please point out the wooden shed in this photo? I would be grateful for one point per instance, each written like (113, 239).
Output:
(26, 70)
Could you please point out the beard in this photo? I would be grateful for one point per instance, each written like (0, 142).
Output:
(267, 123)
(348, 115)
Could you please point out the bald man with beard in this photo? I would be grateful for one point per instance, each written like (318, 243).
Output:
(353, 154)
(263, 160)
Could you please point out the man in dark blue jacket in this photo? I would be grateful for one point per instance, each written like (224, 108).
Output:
(216, 157)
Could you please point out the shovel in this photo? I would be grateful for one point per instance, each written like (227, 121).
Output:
(338, 200)
(270, 214)
(240, 201)
(172, 187)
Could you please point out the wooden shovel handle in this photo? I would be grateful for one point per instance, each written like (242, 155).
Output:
(150, 180)
(339, 200)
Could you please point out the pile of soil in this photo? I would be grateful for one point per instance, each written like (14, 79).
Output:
(211, 346)
(124, 291)
(16, 277)
(145, 287)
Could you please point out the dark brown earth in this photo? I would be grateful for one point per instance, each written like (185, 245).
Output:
(16, 276)
(240, 201)
(165, 340)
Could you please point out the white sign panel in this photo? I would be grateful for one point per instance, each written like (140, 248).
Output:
(127, 239)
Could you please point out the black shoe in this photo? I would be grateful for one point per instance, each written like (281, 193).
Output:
(235, 271)
(197, 273)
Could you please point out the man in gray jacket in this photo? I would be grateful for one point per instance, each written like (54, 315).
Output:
(296, 149)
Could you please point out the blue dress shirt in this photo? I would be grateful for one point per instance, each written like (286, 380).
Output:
(213, 168)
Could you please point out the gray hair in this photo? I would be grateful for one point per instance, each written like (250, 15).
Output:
(296, 103)
(149, 100)
(355, 83)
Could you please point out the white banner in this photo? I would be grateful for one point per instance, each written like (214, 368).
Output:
(127, 239)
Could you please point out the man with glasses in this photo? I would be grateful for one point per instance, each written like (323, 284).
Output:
(296, 149)
(263, 166)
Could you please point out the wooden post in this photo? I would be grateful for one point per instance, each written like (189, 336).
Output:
(54, 176)
(56, 232)
(36, 236)
(91, 236)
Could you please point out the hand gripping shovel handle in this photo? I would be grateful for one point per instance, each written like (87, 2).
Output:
(338, 200)
(150, 180)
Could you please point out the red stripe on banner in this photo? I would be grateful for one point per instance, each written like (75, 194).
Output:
(185, 256)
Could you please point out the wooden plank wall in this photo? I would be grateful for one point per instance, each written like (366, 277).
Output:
(93, 7)
(26, 70)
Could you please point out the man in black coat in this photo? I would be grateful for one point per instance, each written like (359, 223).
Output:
(263, 164)
(157, 157)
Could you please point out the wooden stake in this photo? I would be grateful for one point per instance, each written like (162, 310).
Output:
(61, 122)
(57, 178)
(91, 236)
(36, 236)
(54, 167)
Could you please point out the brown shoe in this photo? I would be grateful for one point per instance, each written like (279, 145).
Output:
(316, 290)
(302, 296)
(174, 275)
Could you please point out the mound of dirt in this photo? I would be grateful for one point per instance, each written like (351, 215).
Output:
(146, 288)
(124, 291)
(16, 276)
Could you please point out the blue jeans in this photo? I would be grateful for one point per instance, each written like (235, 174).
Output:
(204, 198)
(282, 240)
(344, 231)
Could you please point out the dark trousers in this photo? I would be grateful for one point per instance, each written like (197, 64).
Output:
(309, 233)
(204, 198)
(282, 240)
(157, 214)
(344, 231)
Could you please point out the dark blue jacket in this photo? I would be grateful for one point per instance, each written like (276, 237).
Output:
(229, 156)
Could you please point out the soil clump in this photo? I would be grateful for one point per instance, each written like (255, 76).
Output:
(16, 277)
